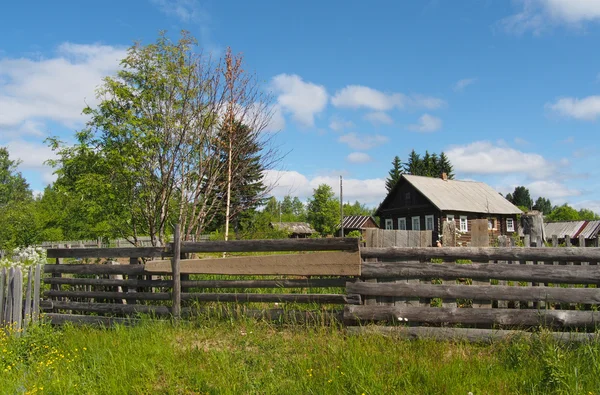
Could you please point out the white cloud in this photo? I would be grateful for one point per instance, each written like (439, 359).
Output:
(359, 96)
(277, 121)
(358, 157)
(184, 10)
(32, 157)
(302, 99)
(379, 117)
(593, 205)
(56, 88)
(338, 124)
(363, 141)
(462, 84)
(551, 189)
(537, 15)
(483, 157)
(427, 123)
(586, 109)
(521, 141)
(367, 191)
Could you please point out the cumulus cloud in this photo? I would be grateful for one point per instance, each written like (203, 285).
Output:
(32, 157)
(338, 124)
(367, 191)
(538, 15)
(484, 157)
(585, 109)
(363, 141)
(427, 123)
(302, 99)
(55, 88)
(551, 189)
(359, 96)
(358, 157)
(379, 117)
(462, 84)
(184, 10)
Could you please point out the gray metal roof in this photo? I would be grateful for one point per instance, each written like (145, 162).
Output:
(355, 221)
(560, 229)
(301, 228)
(467, 196)
(591, 230)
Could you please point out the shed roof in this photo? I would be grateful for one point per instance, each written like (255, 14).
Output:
(574, 229)
(355, 221)
(301, 228)
(454, 195)
(591, 230)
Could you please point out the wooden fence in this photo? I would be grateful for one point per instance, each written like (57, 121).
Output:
(19, 297)
(162, 286)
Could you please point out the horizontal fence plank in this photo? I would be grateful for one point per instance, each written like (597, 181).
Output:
(105, 308)
(95, 269)
(273, 245)
(466, 334)
(123, 252)
(545, 254)
(468, 316)
(276, 283)
(314, 264)
(484, 271)
(478, 292)
(265, 298)
(109, 295)
(61, 319)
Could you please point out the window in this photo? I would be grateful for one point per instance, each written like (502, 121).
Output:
(416, 223)
(429, 222)
(407, 199)
(402, 223)
(491, 224)
(464, 224)
(510, 225)
(389, 224)
(450, 218)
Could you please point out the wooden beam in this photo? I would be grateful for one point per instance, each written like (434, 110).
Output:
(315, 264)
(60, 319)
(124, 252)
(95, 269)
(265, 298)
(478, 292)
(466, 334)
(546, 254)
(175, 270)
(105, 308)
(328, 244)
(467, 316)
(483, 271)
(109, 295)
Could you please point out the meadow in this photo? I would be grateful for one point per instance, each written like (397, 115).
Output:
(209, 355)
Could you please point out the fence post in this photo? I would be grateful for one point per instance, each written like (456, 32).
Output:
(27, 314)
(175, 261)
(36, 293)
(2, 281)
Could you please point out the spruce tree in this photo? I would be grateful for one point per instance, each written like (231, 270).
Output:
(394, 174)
(414, 165)
(444, 166)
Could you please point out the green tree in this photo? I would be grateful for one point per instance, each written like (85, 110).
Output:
(444, 166)
(563, 213)
(588, 215)
(543, 205)
(323, 210)
(414, 165)
(394, 174)
(521, 197)
(13, 187)
(356, 209)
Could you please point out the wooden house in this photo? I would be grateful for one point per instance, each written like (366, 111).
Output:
(357, 222)
(423, 203)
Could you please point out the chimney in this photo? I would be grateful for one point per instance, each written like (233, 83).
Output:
(445, 176)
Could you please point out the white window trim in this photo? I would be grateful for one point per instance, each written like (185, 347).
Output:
(412, 222)
(432, 221)
(494, 224)
(512, 227)
(389, 224)
(464, 220)
(450, 217)
(402, 221)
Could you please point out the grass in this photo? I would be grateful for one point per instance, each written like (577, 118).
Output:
(244, 356)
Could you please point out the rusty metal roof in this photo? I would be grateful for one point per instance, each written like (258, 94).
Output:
(467, 196)
(355, 221)
(300, 228)
(561, 229)
(591, 230)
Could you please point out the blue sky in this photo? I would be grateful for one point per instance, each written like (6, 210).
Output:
(510, 90)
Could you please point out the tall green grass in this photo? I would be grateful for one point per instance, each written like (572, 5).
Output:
(244, 356)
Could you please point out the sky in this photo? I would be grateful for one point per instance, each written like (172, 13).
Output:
(510, 90)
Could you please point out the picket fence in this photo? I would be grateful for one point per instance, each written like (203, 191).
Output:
(19, 297)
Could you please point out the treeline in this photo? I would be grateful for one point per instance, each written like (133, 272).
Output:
(521, 198)
(428, 165)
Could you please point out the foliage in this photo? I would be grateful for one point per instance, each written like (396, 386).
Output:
(13, 187)
(588, 215)
(520, 197)
(394, 174)
(323, 210)
(356, 209)
(429, 165)
(568, 213)
(24, 257)
(261, 357)
(543, 205)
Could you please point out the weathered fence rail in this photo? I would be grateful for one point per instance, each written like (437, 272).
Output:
(19, 297)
